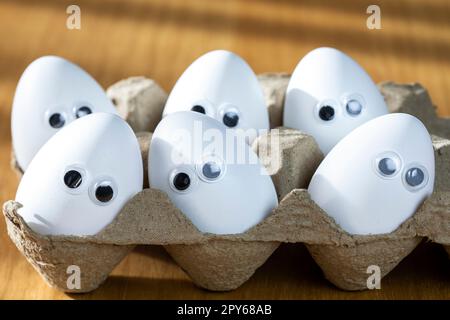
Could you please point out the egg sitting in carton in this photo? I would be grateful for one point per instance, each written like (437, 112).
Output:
(82, 177)
(229, 255)
(51, 93)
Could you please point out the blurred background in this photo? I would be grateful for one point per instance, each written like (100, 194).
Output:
(159, 39)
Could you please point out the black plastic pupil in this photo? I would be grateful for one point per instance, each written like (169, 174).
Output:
(104, 193)
(199, 109)
(83, 111)
(181, 181)
(73, 179)
(326, 113)
(230, 119)
(56, 120)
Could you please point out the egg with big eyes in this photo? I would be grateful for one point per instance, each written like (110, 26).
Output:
(51, 93)
(82, 177)
(210, 174)
(329, 95)
(221, 85)
(377, 176)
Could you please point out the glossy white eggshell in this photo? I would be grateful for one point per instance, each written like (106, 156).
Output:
(328, 76)
(240, 199)
(50, 84)
(103, 147)
(221, 80)
(349, 187)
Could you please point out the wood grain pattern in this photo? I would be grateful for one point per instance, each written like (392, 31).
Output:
(160, 39)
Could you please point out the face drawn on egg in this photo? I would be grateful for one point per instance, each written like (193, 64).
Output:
(51, 93)
(221, 85)
(377, 176)
(203, 176)
(82, 177)
(329, 95)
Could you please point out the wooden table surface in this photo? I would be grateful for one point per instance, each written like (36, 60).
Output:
(159, 39)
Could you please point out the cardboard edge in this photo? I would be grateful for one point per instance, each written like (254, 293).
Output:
(304, 231)
(415, 100)
(139, 100)
(297, 219)
(311, 225)
(58, 261)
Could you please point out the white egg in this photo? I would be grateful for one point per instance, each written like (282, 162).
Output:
(51, 93)
(329, 95)
(377, 176)
(221, 85)
(218, 184)
(82, 177)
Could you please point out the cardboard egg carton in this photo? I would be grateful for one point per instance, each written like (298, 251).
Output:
(224, 262)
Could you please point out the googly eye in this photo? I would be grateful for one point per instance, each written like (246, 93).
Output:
(198, 108)
(181, 181)
(353, 107)
(211, 169)
(326, 113)
(415, 177)
(353, 103)
(103, 191)
(230, 119)
(82, 111)
(202, 106)
(388, 164)
(57, 120)
(229, 114)
(327, 110)
(73, 179)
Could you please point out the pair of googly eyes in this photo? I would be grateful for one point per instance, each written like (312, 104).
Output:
(103, 191)
(210, 170)
(57, 120)
(353, 107)
(230, 116)
(415, 176)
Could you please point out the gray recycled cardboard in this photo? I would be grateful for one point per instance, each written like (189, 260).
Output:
(140, 101)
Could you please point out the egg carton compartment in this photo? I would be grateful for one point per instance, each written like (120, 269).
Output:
(225, 262)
